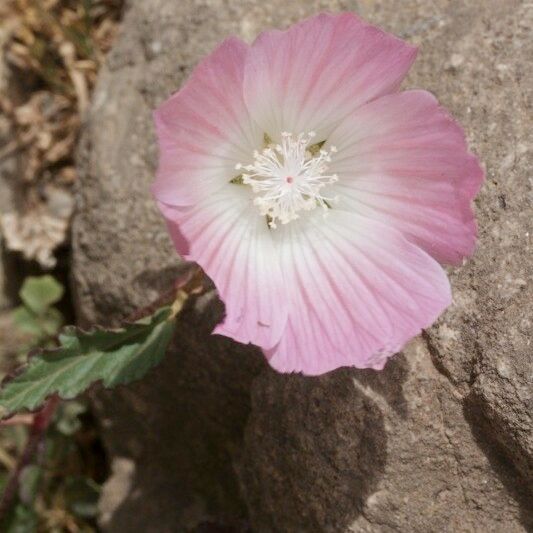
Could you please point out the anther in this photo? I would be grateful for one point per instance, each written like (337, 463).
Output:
(289, 163)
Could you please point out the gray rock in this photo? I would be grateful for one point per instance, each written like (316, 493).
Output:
(440, 440)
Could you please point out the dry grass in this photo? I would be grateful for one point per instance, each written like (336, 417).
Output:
(51, 53)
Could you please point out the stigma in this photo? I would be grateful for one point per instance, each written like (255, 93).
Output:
(289, 178)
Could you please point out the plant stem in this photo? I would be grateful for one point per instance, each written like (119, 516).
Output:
(190, 277)
(191, 280)
(40, 424)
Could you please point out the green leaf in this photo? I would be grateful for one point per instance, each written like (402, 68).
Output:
(39, 293)
(51, 322)
(27, 321)
(46, 324)
(114, 357)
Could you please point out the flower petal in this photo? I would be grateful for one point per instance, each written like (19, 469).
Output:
(204, 130)
(314, 74)
(357, 290)
(228, 238)
(402, 159)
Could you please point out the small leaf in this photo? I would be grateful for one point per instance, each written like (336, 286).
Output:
(114, 357)
(38, 294)
(51, 322)
(27, 321)
(38, 326)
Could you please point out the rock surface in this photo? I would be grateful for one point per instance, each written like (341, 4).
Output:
(441, 440)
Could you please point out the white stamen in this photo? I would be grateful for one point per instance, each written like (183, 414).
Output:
(287, 178)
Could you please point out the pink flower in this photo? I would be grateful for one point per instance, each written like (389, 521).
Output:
(318, 198)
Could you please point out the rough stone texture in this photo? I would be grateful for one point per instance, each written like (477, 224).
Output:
(366, 452)
(441, 440)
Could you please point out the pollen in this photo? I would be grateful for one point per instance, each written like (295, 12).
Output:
(289, 178)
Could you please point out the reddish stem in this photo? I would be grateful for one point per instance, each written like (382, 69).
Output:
(40, 424)
(190, 279)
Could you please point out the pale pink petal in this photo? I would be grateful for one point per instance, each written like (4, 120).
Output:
(402, 159)
(228, 238)
(357, 290)
(204, 130)
(314, 74)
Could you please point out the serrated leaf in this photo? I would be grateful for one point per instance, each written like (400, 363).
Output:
(39, 293)
(114, 357)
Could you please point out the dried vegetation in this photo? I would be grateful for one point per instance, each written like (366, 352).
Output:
(51, 52)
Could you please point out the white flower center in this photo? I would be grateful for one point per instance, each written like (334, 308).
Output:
(289, 177)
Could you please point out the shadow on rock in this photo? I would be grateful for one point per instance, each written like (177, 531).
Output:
(519, 488)
(178, 430)
(388, 383)
(314, 450)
